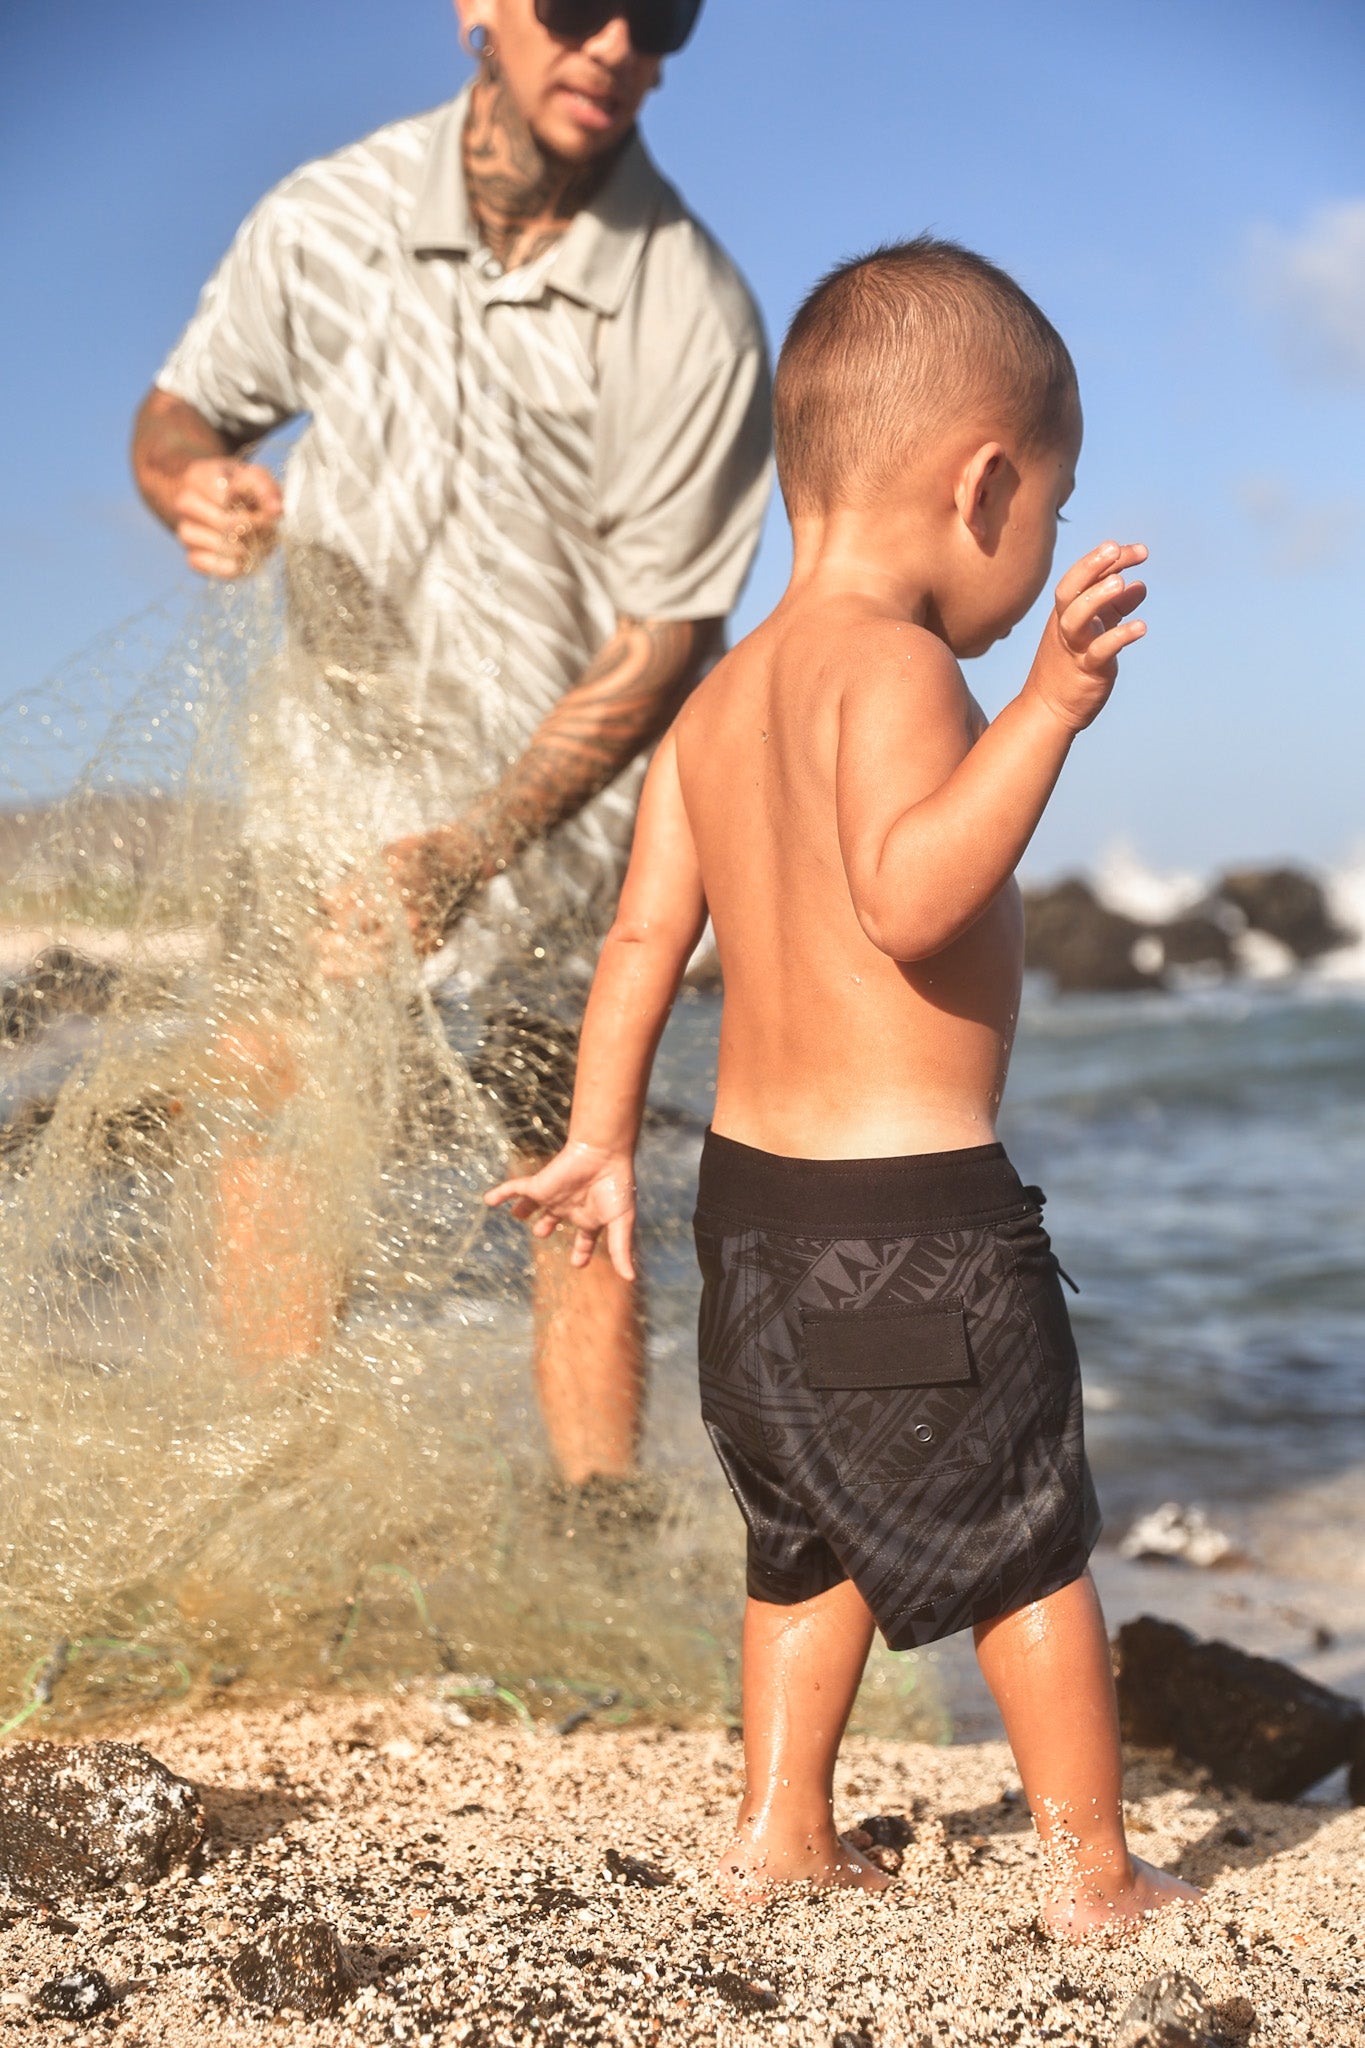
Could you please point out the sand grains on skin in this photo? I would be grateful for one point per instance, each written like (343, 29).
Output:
(466, 1872)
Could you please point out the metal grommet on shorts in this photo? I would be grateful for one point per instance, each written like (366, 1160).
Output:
(923, 1433)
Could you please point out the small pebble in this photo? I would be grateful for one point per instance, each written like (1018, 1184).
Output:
(78, 1996)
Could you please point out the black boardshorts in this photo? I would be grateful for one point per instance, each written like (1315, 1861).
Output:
(889, 1378)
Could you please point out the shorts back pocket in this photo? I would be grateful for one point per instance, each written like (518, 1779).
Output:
(897, 1389)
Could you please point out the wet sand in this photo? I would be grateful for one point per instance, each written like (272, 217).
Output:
(466, 1869)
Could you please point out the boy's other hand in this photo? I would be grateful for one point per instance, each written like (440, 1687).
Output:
(1077, 663)
(588, 1187)
(225, 514)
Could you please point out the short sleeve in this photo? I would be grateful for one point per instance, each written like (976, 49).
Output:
(687, 489)
(234, 362)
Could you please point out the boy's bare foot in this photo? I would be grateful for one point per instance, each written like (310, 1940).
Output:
(1098, 1904)
(750, 1869)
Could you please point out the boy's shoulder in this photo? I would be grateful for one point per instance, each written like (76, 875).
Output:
(859, 655)
(903, 688)
(878, 655)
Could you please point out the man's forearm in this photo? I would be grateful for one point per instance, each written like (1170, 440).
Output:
(629, 695)
(627, 698)
(168, 436)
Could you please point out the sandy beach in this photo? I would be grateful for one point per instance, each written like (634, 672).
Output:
(468, 1871)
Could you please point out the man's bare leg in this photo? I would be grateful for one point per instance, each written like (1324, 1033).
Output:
(802, 1667)
(1048, 1666)
(590, 1361)
(274, 1289)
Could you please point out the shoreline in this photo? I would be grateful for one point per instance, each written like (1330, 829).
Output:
(465, 1869)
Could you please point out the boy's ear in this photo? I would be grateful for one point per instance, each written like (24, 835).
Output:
(985, 486)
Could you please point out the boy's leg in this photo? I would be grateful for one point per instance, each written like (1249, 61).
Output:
(589, 1339)
(1048, 1666)
(802, 1666)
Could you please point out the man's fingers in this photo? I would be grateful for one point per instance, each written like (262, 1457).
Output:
(205, 514)
(221, 514)
(218, 564)
(253, 485)
(198, 539)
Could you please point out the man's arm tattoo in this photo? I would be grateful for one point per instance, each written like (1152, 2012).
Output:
(627, 697)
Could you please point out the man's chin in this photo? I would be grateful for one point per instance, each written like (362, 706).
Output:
(572, 144)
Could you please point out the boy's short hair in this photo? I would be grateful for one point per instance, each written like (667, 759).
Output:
(893, 347)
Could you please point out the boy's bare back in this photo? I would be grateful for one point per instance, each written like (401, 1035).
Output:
(830, 1048)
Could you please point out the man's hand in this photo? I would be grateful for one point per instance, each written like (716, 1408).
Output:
(1077, 662)
(224, 515)
(223, 511)
(435, 874)
(587, 1187)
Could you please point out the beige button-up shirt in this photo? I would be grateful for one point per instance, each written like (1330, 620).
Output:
(496, 465)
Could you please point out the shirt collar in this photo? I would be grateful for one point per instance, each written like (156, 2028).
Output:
(601, 249)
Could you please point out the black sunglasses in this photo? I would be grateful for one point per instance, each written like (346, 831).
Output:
(658, 28)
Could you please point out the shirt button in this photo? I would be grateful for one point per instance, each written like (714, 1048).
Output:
(923, 1433)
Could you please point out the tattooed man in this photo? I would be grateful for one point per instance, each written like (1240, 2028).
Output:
(529, 490)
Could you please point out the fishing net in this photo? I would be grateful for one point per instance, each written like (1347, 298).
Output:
(264, 1354)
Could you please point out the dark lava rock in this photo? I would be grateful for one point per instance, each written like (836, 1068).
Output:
(1170, 2011)
(59, 982)
(744, 1993)
(883, 1839)
(887, 1831)
(1196, 941)
(1290, 906)
(631, 1870)
(78, 1996)
(1255, 1723)
(1070, 935)
(78, 1819)
(1355, 1783)
(300, 1965)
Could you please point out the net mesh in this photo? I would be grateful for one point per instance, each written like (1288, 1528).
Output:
(264, 1354)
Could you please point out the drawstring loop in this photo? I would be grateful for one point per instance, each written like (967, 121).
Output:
(1035, 1198)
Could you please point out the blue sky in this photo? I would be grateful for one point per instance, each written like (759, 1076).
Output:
(1182, 186)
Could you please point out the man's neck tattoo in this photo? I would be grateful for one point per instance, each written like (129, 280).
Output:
(522, 195)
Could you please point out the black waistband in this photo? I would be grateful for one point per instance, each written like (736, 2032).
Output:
(858, 1197)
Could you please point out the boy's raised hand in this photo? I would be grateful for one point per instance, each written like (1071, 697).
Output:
(1077, 662)
(589, 1188)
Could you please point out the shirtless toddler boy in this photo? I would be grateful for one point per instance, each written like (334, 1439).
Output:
(887, 1368)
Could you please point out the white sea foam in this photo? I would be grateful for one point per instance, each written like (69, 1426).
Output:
(1124, 882)
(1345, 888)
(1262, 958)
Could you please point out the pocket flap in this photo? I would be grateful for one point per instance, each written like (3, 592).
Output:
(902, 1346)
